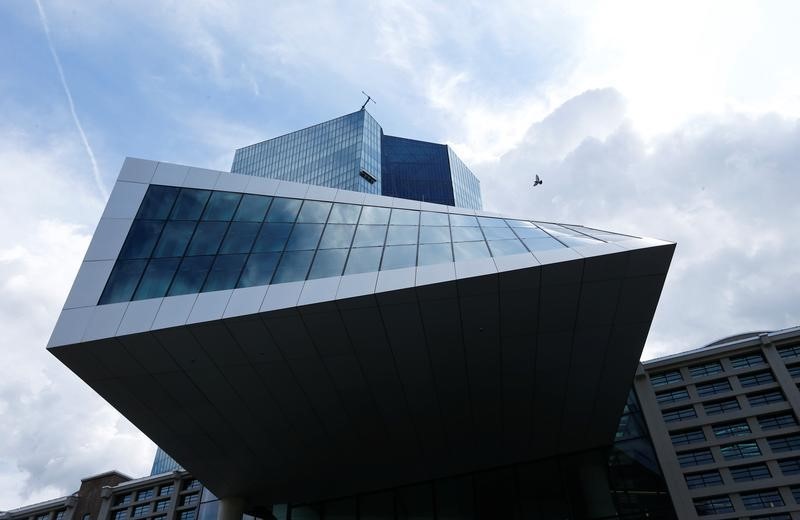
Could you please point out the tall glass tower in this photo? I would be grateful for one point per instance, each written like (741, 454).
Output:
(352, 153)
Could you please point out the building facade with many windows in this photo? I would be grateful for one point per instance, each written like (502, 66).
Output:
(724, 423)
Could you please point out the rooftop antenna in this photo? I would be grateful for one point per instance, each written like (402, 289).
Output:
(369, 98)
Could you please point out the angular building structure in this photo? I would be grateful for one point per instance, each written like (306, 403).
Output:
(358, 355)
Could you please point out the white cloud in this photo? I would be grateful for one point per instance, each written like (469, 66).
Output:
(724, 188)
(55, 429)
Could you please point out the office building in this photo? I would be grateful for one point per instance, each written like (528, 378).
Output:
(723, 419)
(352, 354)
(352, 153)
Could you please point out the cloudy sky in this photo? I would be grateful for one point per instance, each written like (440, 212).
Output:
(678, 121)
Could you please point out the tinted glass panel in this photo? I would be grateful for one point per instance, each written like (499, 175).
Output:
(190, 204)
(506, 247)
(157, 277)
(404, 217)
(221, 206)
(142, 237)
(542, 244)
(207, 238)
(252, 208)
(337, 236)
(466, 234)
(174, 238)
(463, 220)
(373, 215)
(157, 202)
(191, 275)
(304, 236)
(283, 210)
(314, 211)
(344, 214)
(240, 237)
(362, 260)
(470, 250)
(400, 235)
(369, 236)
(435, 254)
(328, 262)
(123, 280)
(430, 218)
(293, 267)
(224, 272)
(434, 234)
(258, 269)
(396, 257)
(495, 233)
(531, 232)
(272, 237)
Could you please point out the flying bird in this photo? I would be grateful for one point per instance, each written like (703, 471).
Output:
(537, 182)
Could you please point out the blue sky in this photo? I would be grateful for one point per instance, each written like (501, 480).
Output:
(676, 120)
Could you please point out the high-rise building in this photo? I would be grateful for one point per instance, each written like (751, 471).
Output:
(354, 354)
(352, 153)
(723, 419)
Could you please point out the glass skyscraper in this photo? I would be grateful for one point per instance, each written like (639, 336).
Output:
(352, 153)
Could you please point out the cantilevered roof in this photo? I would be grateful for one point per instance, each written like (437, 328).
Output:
(433, 340)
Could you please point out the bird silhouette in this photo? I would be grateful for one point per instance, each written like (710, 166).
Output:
(537, 182)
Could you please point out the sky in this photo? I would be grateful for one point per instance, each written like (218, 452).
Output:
(676, 120)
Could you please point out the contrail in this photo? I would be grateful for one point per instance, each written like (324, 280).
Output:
(95, 170)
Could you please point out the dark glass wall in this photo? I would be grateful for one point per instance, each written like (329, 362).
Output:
(416, 170)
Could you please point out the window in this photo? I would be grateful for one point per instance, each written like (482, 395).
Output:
(145, 494)
(764, 499)
(776, 421)
(188, 500)
(140, 510)
(165, 490)
(705, 479)
(122, 500)
(713, 505)
(719, 407)
(707, 369)
(122, 514)
(714, 387)
(672, 396)
(695, 458)
(740, 450)
(747, 360)
(764, 398)
(750, 472)
(790, 351)
(45, 516)
(684, 437)
(784, 443)
(790, 466)
(59, 515)
(794, 371)
(759, 378)
(680, 414)
(779, 516)
(735, 429)
(796, 494)
(665, 378)
(161, 505)
(189, 514)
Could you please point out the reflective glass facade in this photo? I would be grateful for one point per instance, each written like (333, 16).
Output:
(328, 154)
(417, 170)
(186, 240)
(163, 463)
(352, 153)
